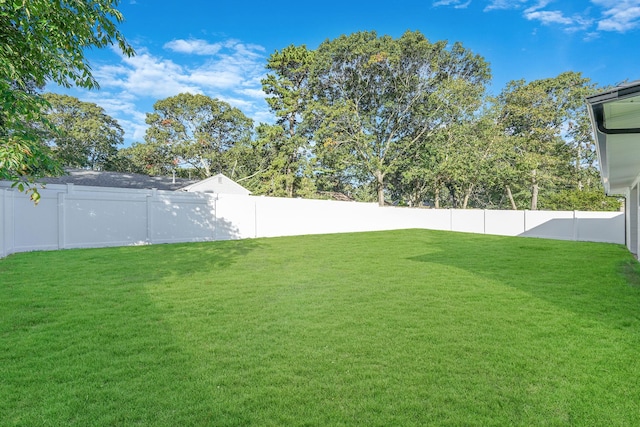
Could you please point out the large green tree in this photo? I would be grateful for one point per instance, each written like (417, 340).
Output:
(538, 117)
(149, 158)
(203, 133)
(85, 136)
(374, 99)
(284, 146)
(44, 41)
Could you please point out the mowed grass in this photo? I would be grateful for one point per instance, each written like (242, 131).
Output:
(395, 328)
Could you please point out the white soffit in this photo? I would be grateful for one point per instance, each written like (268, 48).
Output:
(615, 118)
(622, 114)
(623, 156)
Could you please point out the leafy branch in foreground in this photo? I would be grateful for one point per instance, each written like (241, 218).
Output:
(43, 41)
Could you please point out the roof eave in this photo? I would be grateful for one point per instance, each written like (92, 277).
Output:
(595, 106)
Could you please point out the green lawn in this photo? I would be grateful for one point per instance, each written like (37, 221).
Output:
(396, 328)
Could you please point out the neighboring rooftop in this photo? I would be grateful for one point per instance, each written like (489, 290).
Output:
(118, 180)
(217, 184)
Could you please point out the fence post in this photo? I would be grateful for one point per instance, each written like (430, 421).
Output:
(61, 219)
(150, 199)
(255, 219)
(575, 226)
(450, 219)
(6, 223)
(484, 221)
(215, 216)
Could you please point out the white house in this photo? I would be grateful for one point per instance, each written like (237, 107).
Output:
(217, 184)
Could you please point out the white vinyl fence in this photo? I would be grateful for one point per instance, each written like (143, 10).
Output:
(71, 216)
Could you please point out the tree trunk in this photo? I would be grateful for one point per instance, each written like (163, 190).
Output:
(467, 194)
(513, 202)
(289, 183)
(289, 179)
(380, 182)
(437, 199)
(534, 191)
(578, 162)
(233, 170)
(453, 196)
(207, 168)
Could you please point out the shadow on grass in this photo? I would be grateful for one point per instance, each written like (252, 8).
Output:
(594, 280)
(154, 262)
(630, 269)
(86, 343)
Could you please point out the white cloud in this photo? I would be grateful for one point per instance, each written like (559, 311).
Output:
(234, 66)
(253, 93)
(454, 3)
(118, 105)
(505, 4)
(240, 103)
(156, 77)
(457, 4)
(231, 72)
(214, 78)
(263, 116)
(548, 17)
(463, 5)
(619, 15)
(541, 4)
(615, 15)
(193, 46)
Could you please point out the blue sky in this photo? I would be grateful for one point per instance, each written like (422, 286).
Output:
(219, 48)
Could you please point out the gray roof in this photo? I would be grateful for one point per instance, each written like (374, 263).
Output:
(614, 92)
(118, 180)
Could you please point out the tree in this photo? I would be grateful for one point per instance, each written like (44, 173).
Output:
(22, 156)
(452, 166)
(582, 200)
(201, 132)
(279, 170)
(284, 144)
(155, 159)
(535, 116)
(85, 135)
(42, 41)
(374, 99)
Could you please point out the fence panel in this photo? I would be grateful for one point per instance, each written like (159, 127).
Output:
(504, 223)
(6, 222)
(35, 227)
(235, 217)
(607, 227)
(72, 216)
(103, 220)
(180, 218)
(468, 221)
(549, 225)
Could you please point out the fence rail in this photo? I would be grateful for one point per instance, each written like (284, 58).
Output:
(71, 216)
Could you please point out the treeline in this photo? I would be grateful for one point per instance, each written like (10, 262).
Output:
(399, 121)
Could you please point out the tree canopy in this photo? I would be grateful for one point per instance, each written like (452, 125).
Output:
(43, 41)
(85, 136)
(369, 117)
(284, 148)
(400, 120)
(200, 132)
(375, 99)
